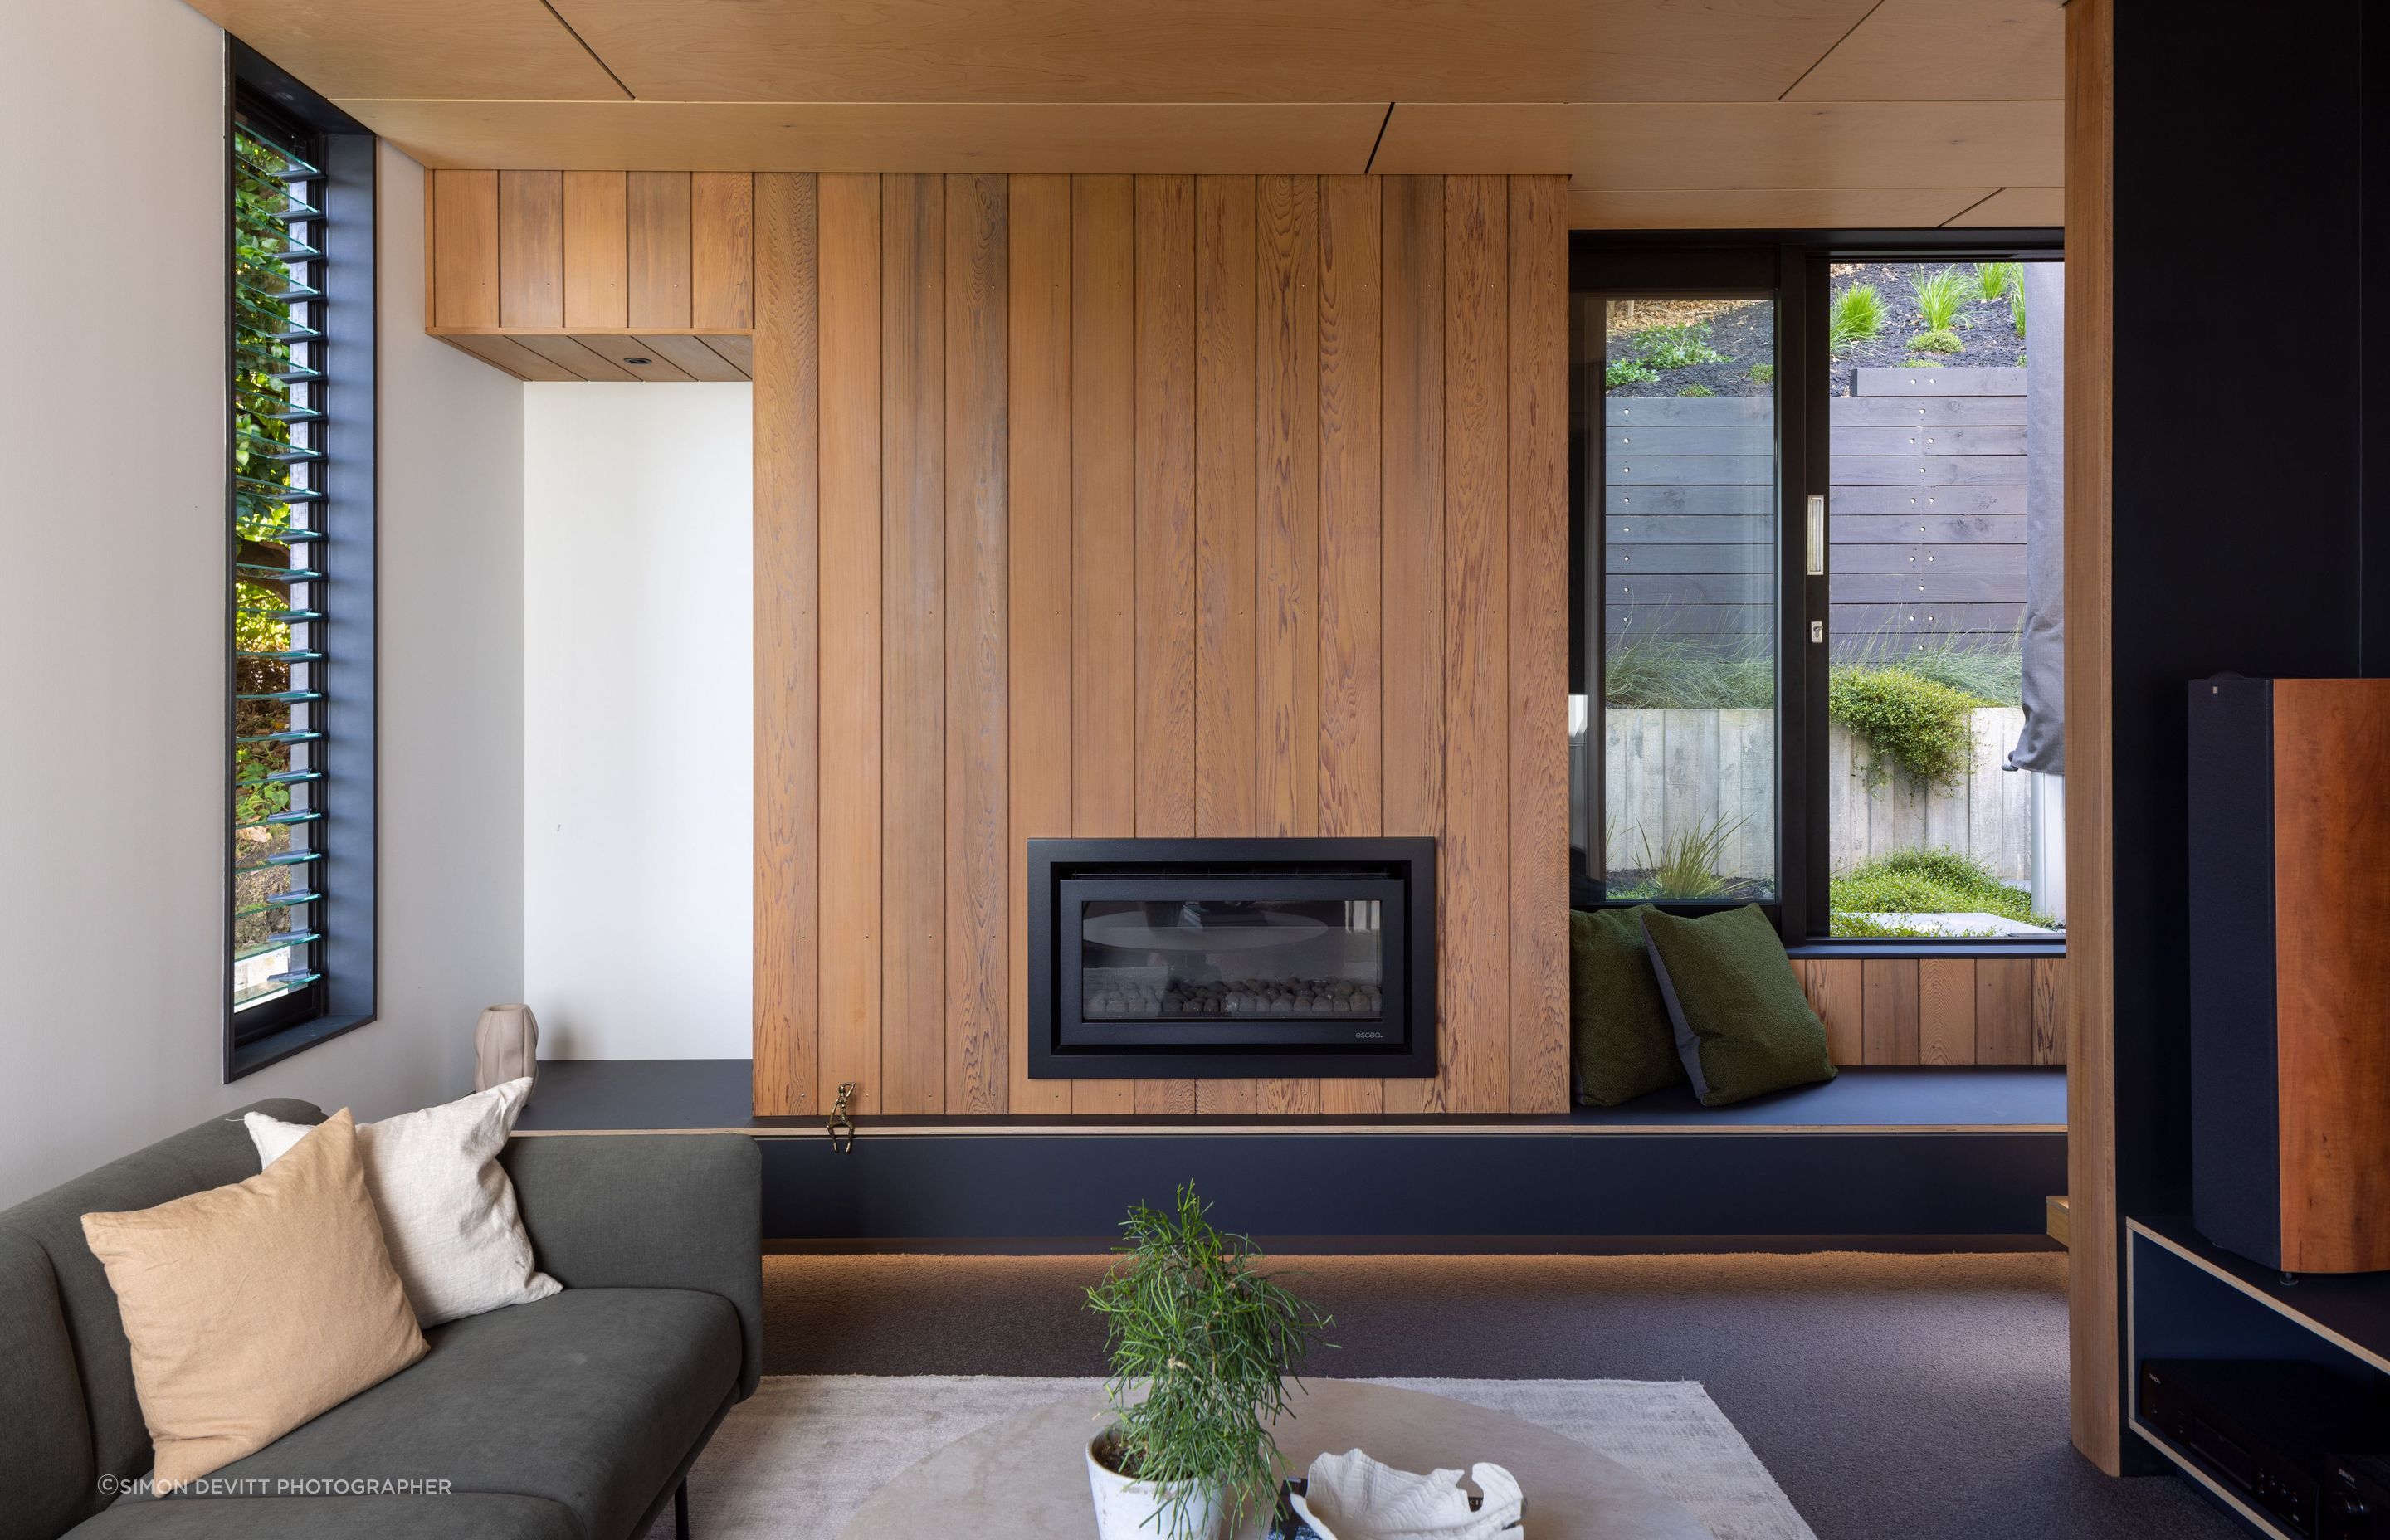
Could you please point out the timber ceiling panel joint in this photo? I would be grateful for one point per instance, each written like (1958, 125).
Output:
(1104, 51)
(443, 49)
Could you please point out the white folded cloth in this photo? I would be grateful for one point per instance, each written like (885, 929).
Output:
(1351, 1496)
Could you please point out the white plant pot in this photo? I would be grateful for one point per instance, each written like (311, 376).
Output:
(1127, 1509)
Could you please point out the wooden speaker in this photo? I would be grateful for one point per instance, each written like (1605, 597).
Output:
(2290, 970)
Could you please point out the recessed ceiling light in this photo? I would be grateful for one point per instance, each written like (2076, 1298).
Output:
(636, 359)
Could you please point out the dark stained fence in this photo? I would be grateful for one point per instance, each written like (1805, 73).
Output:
(1927, 508)
(1689, 520)
(1926, 514)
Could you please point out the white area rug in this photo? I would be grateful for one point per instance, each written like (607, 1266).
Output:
(804, 1451)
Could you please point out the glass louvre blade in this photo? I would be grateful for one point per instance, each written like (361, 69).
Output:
(273, 492)
(290, 212)
(261, 362)
(256, 149)
(269, 288)
(283, 778)
(278, 820)
(277, 902)
(279, 414)
(255, 153)
(260, 447)
(281, 858)
(279, 940)
(276, 987)
(285, 248)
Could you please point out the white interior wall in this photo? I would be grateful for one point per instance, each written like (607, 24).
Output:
(638, 722)
(111, 641)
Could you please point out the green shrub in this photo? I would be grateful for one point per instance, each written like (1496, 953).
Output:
(1940, 296)
(1763, 374)
(2016, 309)
(1676, 347)
(1857, 316)
(1679, 675)
(1926, 883)
(1687, 866)
(1627, 371)
(1918, 724)
(1995, 279)
(1940, 339)
(1697, 391)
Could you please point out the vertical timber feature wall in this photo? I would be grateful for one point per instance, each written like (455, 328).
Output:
(1153, 505)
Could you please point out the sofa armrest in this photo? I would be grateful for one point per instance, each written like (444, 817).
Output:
(649, 1211)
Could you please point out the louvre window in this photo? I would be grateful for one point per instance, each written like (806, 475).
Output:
(298, 568)
(280, 515)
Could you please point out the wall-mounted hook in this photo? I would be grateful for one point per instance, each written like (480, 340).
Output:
(841, 1127)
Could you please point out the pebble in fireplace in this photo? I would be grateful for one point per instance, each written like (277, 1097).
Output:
(1254, 997)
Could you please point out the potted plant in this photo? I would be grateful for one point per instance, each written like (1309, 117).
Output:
(1202, 1345)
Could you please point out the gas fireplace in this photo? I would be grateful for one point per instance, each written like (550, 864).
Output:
(1231, 958)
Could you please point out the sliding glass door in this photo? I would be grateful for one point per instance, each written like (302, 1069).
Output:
(1816, 562)
(1942, 808)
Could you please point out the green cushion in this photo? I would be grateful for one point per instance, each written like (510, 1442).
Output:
(1625, 1045)
(1742, 1026)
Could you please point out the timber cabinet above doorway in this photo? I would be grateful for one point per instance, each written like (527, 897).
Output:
(594, 275)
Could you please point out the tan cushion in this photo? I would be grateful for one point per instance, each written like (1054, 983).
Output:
(256, 1307)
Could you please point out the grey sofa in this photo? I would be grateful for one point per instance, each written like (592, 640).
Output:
(573, 1419)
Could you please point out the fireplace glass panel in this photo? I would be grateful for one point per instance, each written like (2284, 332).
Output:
(1229, 960)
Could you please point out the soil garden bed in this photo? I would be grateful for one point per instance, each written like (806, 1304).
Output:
(1742, 333)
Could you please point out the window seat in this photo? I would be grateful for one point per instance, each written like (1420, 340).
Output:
(1876, 1097)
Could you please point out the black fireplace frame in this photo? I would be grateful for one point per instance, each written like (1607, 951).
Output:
(1410, 1054)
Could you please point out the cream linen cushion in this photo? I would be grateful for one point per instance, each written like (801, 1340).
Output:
(253, 1308)
(447, 1208)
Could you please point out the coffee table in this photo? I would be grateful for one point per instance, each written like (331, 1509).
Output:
(1026, 1478)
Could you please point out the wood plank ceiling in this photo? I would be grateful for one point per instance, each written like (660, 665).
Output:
(1838, 113)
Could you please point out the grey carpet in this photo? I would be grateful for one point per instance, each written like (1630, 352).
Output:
(1893, 1397)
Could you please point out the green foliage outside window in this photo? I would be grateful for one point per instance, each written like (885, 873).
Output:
(1627, 371)
(1675, 347)
(1857, 314)
(1922, 725)
(1940, 296)
(1923, 882)
(1993, 279)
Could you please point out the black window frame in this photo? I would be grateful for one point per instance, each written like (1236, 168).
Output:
(1793, 267)
(345, 995)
